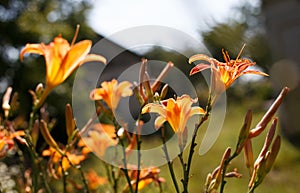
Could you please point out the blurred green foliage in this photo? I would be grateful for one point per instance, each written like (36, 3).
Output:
(35, 21)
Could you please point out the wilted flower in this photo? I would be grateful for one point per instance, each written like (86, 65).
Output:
(61, 59)
(111, 92)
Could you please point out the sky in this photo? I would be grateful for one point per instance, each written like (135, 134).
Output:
(109, 17)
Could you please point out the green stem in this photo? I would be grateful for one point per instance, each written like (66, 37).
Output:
(64, 175)
(191, 152)
(170, 164)
(124, 169)
(138, 162)
(226, 163)
(78, 167)
(37, 164)
(115, 180)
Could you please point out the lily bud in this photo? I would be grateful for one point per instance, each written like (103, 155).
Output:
(47, 136)
(274, 152)
(161, 76)
(243, 137)
(269, 114)
(70, 122)
(248, 156)
(164, 91)
(39, 90)
(5, 101)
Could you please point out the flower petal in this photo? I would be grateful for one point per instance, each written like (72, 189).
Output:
(199, 68)
(94, 57)
(200, 57)
(154, 108)
(74, 57)
(159, 121)
(196, 111)
(254, 72)
(32, 48)
(124, 88)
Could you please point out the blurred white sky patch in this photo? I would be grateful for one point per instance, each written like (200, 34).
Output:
(191, 16)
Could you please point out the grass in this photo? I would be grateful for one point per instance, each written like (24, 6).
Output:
(282, 178)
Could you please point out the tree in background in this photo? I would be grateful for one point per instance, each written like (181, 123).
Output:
(248, 28)
(23, 21)
(231, 35)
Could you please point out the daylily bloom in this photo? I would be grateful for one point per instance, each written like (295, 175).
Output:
(111, 92)
(94, 181)
(7, 140)
(55, 158)
(99, 138)
(226, 72)
(61, 59)
(147, 176)
(176, 112)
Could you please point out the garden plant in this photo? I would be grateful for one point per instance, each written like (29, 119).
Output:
(48, 165)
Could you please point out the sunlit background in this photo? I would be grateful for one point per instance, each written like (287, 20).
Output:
(270, 29)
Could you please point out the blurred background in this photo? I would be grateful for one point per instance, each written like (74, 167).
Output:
(270, 28)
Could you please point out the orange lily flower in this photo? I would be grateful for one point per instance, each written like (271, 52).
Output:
(94, 181)
(176, 112)
(226, 72)
(56, 156)
(61, 59)
(7, 140)
(147, 176)
(99, 139)
(111, 92)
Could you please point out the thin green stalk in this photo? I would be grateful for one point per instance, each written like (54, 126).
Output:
(64, 175)
(115, 180)
(226, 163)
(191, 152)
(138, 162)
(83, 179)
(194, 144)
(37, 164)
(170, 164)
(78, 167)
(124, 169)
